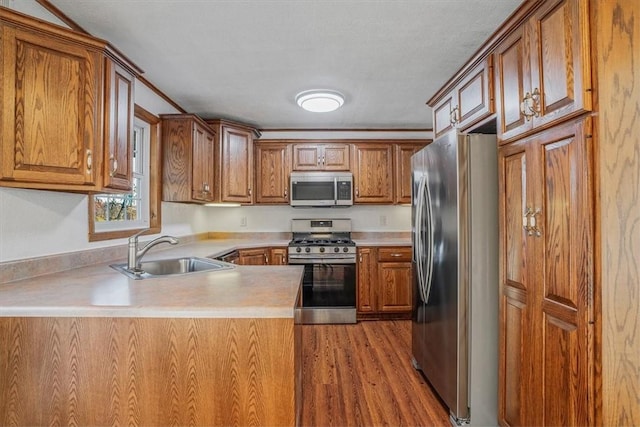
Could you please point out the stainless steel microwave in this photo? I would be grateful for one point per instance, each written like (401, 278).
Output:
(321, 189)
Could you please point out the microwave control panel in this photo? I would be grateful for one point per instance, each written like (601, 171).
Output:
(344, 190)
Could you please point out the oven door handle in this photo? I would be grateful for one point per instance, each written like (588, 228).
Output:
(294, 260)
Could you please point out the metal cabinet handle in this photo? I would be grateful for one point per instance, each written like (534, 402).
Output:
(395, 255)
(530, 223)
(249, 191)
(357, 192)
(530, 105)
(114, 166)
(89, 161)
(323, 160)
(453, 116)
(525, 221)
(286, 194)
(533, 223)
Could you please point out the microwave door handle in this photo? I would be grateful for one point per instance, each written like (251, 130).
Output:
(335, 190)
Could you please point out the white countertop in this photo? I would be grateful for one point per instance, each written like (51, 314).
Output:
(100, 291)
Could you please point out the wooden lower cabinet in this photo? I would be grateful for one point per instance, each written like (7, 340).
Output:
(546, 279)
(384, 281)
(255, 256)
(278, 256)
(394, 280)
(143, 371)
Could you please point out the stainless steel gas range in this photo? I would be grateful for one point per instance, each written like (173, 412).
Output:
(325, 248)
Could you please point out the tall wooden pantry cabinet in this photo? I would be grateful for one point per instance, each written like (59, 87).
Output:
(566, 99)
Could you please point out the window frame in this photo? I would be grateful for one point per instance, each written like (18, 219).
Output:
(155, 185)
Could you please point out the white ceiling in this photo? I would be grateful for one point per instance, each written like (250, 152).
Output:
(246, 60)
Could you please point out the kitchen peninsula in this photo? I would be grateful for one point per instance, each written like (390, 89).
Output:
(90, 346)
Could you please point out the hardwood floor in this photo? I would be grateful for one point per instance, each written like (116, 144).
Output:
(361, 375)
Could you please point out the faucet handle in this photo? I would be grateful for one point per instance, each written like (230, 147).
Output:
(134, 237)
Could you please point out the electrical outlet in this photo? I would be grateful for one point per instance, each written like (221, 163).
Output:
(243, 221)
(383, 220)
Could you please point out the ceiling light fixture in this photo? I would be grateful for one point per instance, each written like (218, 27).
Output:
(320, 100)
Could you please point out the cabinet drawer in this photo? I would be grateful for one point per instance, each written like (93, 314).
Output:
(394, 254)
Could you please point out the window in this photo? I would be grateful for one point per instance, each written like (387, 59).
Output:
(114, 216)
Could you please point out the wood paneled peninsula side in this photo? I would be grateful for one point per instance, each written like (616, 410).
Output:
(90, 346)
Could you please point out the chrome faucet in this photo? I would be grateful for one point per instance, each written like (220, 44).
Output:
(135, 254)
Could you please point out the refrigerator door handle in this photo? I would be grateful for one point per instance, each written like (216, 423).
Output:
(430, 248)
(419, 244)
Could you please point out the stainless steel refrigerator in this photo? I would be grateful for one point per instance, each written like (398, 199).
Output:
(455, 270)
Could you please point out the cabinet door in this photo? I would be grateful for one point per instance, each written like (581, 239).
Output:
(403, 171)
(51, 105)
(335, 157)
(546, 275)
(394, 287)
(565, 278)
(306, 157)
(367, 280)
(475, 95)
(278, 256)
(273, 163)
(373, 173)
(512, 76)
(237, 165)
(517, 298)
(202, 164)
(318, 157)
(119, 86)
(560, 59)
(443, 115)
(257, 256)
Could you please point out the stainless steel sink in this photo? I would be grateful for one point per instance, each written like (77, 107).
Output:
(174, 266)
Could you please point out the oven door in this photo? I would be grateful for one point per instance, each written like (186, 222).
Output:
(329, 293)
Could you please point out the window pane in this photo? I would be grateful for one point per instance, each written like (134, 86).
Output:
(125, 211)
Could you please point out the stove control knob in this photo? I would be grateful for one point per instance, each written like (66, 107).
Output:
(298, 249)
(336, 249)
(321, 249)
(307, 250)
(345, 249)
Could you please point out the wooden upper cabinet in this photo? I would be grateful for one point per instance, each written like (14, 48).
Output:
(235, 160)
(469, 102)
(118, 138)
(543, 69)
(51, 110)
(443, 115)
(403, 171)
(273, 166)
(188, 149)
(373, 173)
(67, 109)
(512, 77)
(321, 157)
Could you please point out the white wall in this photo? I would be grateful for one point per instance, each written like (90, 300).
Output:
(278, 218)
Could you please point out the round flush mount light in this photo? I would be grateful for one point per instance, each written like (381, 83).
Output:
(320, 100)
